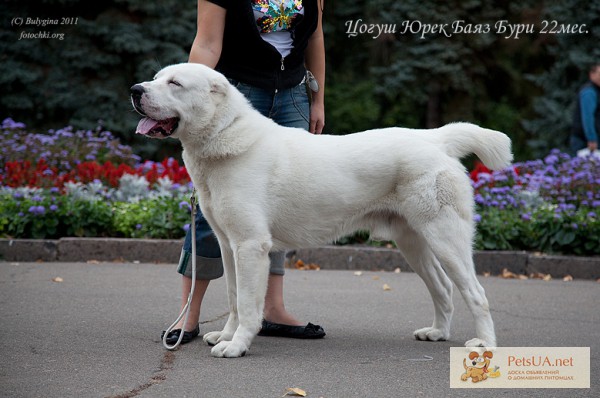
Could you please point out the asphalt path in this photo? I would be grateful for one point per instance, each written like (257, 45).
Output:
(96, 334)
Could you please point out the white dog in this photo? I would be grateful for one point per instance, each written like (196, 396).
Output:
(264, 187)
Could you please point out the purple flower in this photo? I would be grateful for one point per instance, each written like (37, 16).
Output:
(526, 216)
(551, 159)
(186, 227)
(53, 207)
(37, 210)
(138, 226)
(8, 123)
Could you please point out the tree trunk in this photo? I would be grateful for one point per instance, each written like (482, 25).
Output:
(434, 111)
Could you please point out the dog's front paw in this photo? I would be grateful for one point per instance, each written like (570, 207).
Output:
(480, 343)
(229, 349)
(214, 338)
(431, 334)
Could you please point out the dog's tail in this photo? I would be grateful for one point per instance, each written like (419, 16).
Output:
(492, 147)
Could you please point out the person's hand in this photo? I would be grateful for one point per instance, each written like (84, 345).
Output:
(592, 146)
(317, 118)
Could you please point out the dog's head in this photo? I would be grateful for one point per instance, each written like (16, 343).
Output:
(183, 99)
(480, 361)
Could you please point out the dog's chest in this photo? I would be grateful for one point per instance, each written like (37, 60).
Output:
(198, 174)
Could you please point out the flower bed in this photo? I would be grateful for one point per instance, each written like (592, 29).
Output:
(48, 191)
(548, 205)
(98, 187)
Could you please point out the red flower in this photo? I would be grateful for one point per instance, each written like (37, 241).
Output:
(479, 168)
(21, 173)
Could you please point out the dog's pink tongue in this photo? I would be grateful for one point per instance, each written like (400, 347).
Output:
(145, 125)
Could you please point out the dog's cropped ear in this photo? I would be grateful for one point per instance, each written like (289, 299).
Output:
(219, 87)
(488, 354)
(473, 355)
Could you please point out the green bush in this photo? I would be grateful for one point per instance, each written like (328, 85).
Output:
(43, 214)
(542, 230)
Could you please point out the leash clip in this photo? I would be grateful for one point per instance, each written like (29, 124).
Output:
(193, 199)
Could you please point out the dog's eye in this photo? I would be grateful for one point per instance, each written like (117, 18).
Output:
(175, 82)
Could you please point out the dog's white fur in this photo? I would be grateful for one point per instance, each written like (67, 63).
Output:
(264, 188)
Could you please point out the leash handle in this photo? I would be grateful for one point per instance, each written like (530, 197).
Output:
(186, 309)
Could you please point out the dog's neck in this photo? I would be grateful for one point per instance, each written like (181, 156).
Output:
(232, 130)
(226, 143)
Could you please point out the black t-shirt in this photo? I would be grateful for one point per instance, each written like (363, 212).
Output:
(246, 57)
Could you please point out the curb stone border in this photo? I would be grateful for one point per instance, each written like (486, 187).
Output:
(327, 257)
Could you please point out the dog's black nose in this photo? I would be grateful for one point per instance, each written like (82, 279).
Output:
(137, 90)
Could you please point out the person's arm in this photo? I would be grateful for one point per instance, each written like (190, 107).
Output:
(208, 42)
(589, 102)
(315, 62)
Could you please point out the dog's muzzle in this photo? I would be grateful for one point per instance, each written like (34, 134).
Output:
(149, 126)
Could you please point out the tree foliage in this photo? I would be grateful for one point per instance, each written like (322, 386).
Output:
(523, 86)
(83, 80)
(516, 85)
(571, 56)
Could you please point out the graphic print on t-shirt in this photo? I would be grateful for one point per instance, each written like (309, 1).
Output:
(277, 15)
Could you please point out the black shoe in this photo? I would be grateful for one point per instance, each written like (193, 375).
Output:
(173, 336)
(309, 331)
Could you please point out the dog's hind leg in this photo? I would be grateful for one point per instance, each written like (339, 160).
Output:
(252, 270)
(422, 260)
(213, 338)
(449, 237)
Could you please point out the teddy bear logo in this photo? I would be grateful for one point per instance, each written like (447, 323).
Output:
(478, 368)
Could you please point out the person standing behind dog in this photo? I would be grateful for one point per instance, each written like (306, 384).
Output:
(586, 118)
(264, 48)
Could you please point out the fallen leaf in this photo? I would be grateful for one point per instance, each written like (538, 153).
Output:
(568, 278)
(57, 279)
(487, 273)
(386, 287)
(93, 262)
(375, 278)
(300, 265)
(358, 273)
(537, 275)
(506, 274)
(294, 392)
(397, 270)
